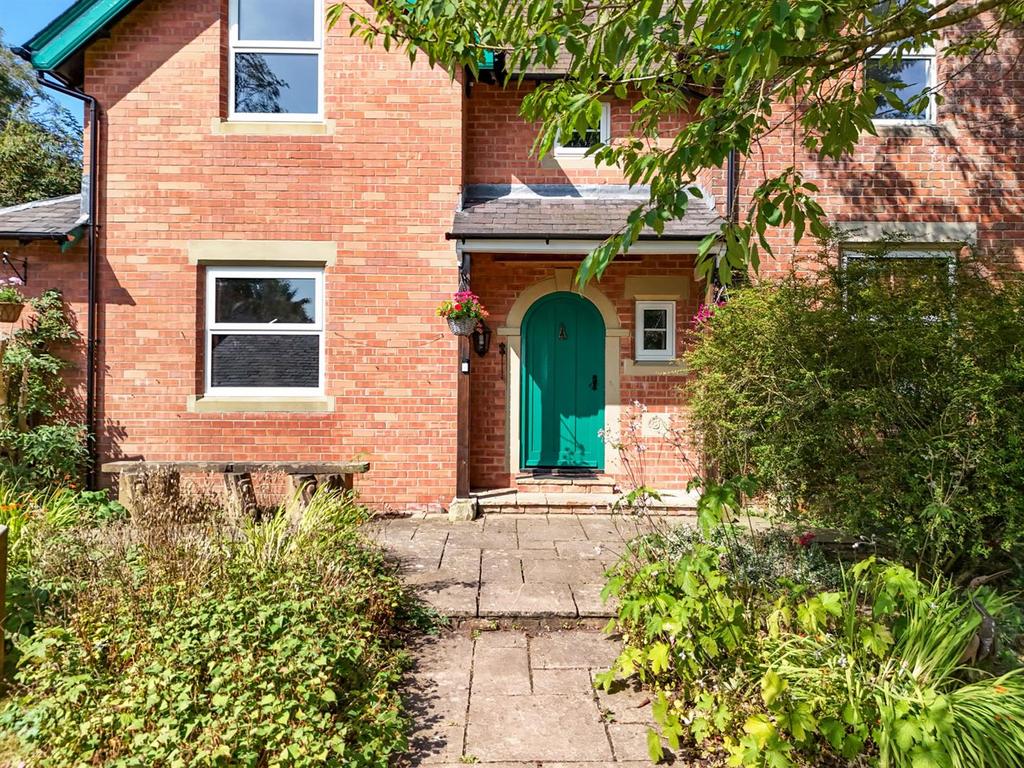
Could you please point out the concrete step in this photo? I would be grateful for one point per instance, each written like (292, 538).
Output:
(515, 501)
(564, 481)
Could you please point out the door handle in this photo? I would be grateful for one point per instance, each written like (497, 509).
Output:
(593, 383)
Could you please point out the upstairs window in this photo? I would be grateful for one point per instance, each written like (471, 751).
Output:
(276, 59)
(264, 331)
(655, 331)
(913, 77)
(577, 144)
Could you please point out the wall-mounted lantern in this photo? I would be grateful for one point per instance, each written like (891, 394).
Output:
(482, 339)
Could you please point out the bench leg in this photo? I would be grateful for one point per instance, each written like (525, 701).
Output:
(135, 485)
(129, 489)
(300, 492)
(241, 495)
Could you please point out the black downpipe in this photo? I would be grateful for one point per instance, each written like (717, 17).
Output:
(732, 187)
(92, 325)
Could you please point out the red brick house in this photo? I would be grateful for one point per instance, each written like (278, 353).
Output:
(278, 210)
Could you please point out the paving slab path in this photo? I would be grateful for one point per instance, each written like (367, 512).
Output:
(513, 566)
(521, 700)
(511, 698)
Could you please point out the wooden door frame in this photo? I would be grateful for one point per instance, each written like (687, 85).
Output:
(560, 280)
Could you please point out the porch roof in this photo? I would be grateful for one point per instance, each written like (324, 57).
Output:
(54, 219)
(562, 212)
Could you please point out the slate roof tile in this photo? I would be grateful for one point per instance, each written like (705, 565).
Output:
(42, 218)
(570, 216)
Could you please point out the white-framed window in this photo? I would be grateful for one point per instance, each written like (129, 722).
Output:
(655, 330)
(264, 331)
(920, 270)
(916, 74)
(276, 60)
(577, 144)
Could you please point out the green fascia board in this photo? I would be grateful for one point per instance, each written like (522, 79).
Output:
(72, 30)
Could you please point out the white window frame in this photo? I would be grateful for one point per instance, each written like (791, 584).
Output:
(604, 126)
(649, 355)
(925, 53)
(879, 251)
(315, 46)
(263, 329)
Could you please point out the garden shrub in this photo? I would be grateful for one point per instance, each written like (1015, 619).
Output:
(38, 443)
(890, 408)
(203, 640)
(763, 670)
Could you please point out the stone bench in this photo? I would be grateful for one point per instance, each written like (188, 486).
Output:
(304, 477)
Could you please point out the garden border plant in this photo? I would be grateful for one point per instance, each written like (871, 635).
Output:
(891, 409)
(186, 635)
(779, 672)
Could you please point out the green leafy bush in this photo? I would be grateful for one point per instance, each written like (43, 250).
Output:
(889, 408)
(766, 671)
(196, 639)
(38, 444)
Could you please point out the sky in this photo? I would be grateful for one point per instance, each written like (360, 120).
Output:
(20, 19)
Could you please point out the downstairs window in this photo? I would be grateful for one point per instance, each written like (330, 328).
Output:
(655, 331)
(264, 331)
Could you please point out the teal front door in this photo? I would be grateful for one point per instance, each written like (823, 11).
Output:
(563, 383)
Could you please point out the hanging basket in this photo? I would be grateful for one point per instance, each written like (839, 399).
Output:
(462, 326)
(10, 311)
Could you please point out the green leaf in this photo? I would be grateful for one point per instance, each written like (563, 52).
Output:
(772, 687)
(760, 728)
(654, 748)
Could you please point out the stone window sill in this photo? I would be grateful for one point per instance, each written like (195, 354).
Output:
(218, 404)
(272, 128)
(652, 368)
(912, 129)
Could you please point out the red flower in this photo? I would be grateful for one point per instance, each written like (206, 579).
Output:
(458, 307)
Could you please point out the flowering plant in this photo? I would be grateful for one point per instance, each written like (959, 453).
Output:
(462, 304)
(705, 312)
(9, 293)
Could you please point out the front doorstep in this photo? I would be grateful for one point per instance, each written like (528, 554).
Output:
(520, 501)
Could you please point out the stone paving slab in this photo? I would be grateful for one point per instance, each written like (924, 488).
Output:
(529, 566)
(511, 699)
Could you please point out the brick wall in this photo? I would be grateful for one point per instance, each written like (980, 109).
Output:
(967, 169)
(49, 268)
(499, 142)
(383, 186)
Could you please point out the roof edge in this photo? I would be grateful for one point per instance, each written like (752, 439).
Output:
(72, 30)
(568, 236)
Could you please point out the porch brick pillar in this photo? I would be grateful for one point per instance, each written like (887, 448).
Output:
(462, 506)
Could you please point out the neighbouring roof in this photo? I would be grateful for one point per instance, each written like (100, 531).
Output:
(59, 46)
(55, 219)
(556, 211)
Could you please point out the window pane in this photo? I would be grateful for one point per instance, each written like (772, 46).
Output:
(656, 340)
(583, 141)
(272, 83)
(285, 360)
(655, 318)
(276, 20)
(265, 300)
(914, 74)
